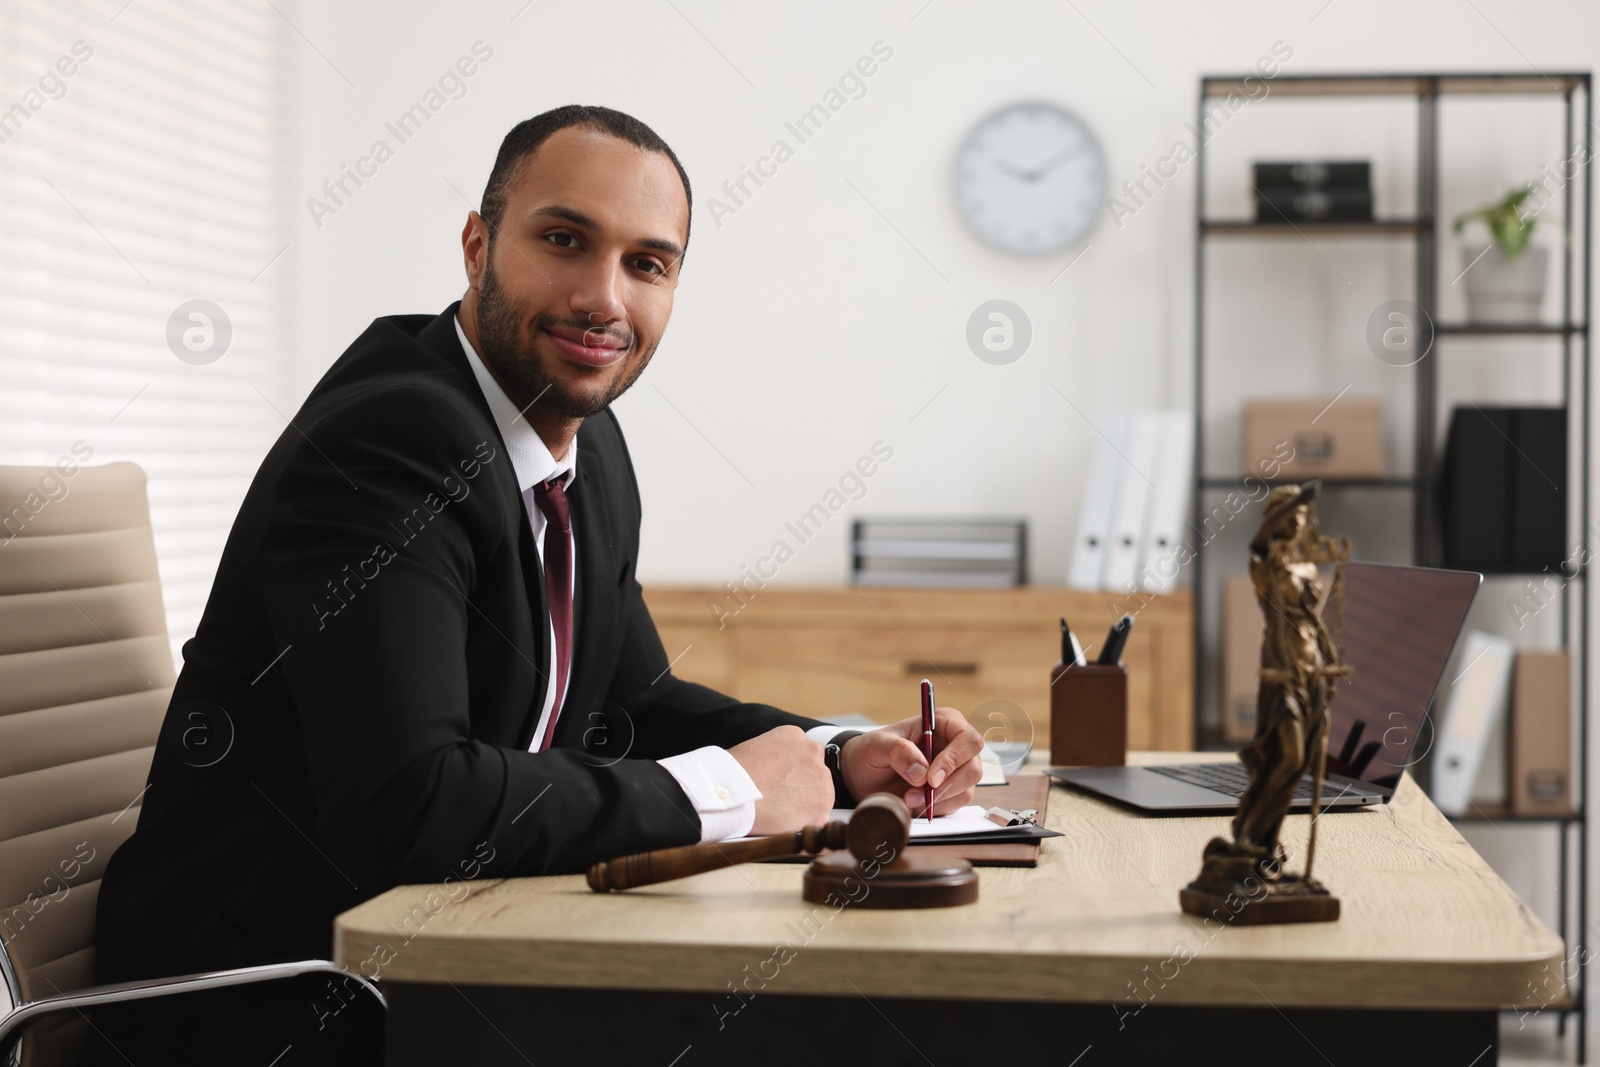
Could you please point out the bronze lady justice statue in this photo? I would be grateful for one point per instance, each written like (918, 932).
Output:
(1243, 880)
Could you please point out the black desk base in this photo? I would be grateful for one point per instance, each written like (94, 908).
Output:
(492, 1025)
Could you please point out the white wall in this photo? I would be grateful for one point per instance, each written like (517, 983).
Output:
(826, 311)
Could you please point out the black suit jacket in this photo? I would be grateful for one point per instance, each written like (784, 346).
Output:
(375, 645)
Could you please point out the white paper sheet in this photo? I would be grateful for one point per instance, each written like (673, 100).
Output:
(968, 820)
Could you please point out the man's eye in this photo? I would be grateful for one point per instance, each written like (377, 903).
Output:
(649, 265)
(567, 236)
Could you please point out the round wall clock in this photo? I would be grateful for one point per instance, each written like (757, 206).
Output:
(1029, 178)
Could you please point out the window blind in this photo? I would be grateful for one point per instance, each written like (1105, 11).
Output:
(142, 155)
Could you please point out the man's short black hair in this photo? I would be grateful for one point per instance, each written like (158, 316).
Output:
(526, 137)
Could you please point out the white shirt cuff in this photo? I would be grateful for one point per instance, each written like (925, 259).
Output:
(720, 790)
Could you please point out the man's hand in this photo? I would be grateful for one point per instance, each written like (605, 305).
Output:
(890, 760)
(796, 788)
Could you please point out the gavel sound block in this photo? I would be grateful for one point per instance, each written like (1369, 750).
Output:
(877, 871)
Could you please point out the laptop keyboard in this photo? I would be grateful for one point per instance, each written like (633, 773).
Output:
(1229, 778)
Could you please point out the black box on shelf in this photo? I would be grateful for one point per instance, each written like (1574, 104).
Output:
(1315, 174)
(1505, 489)
(1313, 191)
(1293, 203)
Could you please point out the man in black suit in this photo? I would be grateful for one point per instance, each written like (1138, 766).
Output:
(426, 657)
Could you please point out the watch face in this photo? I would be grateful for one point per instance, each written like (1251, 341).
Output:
(1029, 179)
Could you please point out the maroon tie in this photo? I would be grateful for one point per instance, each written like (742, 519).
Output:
(552, 500)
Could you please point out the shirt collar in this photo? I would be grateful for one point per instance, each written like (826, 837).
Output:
(530, 456)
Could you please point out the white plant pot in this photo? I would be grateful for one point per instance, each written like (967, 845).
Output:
(1501, 290)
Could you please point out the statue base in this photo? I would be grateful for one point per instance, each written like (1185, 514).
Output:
(1312, 905)
(1244, 890)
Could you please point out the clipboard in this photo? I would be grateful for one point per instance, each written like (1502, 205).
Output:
(1024, 791)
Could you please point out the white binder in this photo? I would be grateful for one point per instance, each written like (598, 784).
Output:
(1475, 701)
(1135, 490)
(1160, 561)
(1099, 496)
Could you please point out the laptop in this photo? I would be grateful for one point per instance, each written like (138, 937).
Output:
(1400, 625)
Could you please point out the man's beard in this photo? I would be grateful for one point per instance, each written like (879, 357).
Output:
(519, 365)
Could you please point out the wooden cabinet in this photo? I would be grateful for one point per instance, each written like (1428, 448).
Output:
(833, 651)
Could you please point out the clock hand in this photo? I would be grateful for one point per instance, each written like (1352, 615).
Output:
(1052, 163)
(1000, 164)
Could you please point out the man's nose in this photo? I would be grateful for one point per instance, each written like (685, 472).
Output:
(598, 298)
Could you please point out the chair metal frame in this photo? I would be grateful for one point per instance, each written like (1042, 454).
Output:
(15, 1022)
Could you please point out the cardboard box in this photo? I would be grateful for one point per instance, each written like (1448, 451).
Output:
(1242, 630)
(1319, 437)
(1541, 733)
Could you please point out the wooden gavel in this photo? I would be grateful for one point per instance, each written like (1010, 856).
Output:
(881, 821)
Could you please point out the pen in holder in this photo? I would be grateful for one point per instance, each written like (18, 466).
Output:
(1089, 715)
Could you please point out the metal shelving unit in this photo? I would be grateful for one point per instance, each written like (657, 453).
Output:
(1575, 92)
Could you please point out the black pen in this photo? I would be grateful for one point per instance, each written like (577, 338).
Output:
(1111, 652)
(1071, 651)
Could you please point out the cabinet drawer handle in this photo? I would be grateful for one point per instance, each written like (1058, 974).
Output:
(922, 667)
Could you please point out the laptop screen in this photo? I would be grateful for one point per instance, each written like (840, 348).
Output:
(1400, 624)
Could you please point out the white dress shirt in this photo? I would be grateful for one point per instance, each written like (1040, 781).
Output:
(720, 789)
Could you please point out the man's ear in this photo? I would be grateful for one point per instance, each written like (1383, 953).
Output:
(475, 247)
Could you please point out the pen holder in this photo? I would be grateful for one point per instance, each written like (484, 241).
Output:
(1089, 715)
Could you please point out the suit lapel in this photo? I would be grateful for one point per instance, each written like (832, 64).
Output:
(440, 335)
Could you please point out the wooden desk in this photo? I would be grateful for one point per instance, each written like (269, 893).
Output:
(1087, 950)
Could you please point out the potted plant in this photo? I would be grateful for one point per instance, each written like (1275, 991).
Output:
(1505, 279)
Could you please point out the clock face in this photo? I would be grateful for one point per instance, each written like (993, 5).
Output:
(1029, 178)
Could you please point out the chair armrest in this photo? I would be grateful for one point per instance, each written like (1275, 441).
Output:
(14, 1022)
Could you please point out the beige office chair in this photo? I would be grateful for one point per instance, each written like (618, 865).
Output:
(85, 675)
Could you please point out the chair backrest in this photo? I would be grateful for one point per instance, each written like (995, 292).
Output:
(86, 671)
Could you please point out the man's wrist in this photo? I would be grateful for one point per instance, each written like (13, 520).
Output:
(722, 792)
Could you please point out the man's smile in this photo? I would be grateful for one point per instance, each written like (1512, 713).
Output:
(589, 349)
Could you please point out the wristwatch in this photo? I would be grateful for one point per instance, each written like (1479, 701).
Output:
(832, 753)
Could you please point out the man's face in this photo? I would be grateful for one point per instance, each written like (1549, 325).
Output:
(576, 286)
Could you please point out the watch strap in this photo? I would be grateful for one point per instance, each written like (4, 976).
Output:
(832, 752)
